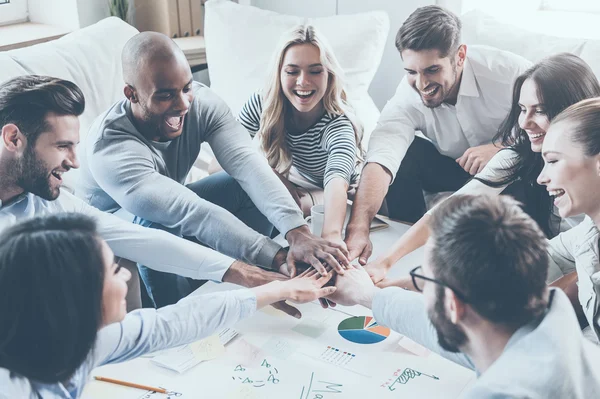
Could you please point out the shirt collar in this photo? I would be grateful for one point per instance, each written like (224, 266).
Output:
(13, 201)
(468, 82)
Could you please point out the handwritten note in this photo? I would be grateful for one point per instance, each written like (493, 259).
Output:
(279, 347)
(245, 353)
(208, 348)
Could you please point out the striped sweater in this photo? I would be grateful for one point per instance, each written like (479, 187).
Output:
(325, 150)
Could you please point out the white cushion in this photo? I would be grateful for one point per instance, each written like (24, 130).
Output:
(481, 28)
(240, 41)
(89, 57)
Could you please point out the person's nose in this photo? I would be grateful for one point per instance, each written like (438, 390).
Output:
(526, 121)
(543, 179)
(72, 162)
(302, 79)
(184, 101)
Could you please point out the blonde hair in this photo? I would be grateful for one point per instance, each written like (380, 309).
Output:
(276, 105)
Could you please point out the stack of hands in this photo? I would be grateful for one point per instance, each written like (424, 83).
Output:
(314, 268)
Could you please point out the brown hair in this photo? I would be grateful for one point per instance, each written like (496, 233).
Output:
(586, 115)
(26, 100)
(430, 27)
(494, 254)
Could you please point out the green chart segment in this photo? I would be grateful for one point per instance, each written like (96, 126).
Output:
(363, 330)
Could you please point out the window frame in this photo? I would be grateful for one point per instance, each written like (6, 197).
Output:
(13, 12)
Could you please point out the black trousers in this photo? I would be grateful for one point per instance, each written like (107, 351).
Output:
(424, 168)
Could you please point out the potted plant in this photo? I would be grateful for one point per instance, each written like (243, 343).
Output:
(119, 8)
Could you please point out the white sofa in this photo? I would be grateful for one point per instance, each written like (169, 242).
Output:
(90, 57)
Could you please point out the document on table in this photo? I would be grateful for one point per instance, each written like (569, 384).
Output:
(185, 357)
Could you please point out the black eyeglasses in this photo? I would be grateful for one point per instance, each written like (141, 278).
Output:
(416, 277)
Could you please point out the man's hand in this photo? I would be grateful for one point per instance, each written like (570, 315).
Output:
(249, 276)
(308, 248)
(359, 244)
(475, 158)
(354, 287)
(377, 269)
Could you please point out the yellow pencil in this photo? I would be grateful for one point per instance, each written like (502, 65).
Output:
(131, 384)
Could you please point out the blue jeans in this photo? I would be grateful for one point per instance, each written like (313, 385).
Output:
(223, 190)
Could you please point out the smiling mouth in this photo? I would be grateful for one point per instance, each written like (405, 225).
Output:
(174, 122)
(57, 175)
(536, 136)
(304, 94)
(429, 93)
(556, 193)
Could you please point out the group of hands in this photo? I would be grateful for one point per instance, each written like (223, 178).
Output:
(316, 268)
(337, 271)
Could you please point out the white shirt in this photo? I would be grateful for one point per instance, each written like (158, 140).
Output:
(142, 331)
(546, 358)
(157, 249)
(484, 100)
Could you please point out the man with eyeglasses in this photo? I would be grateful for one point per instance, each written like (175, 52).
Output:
(486, 306)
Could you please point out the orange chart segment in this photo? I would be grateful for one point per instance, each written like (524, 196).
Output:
(367, 321)
(380, 330)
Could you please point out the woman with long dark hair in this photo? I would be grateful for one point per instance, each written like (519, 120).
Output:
(62, 308)
(539, 94)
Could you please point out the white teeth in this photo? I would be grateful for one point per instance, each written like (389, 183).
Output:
(303, 93)
(430, 92)
(556, 193)
(536, 136)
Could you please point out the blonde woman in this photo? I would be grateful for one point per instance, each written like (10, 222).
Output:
(305, 127)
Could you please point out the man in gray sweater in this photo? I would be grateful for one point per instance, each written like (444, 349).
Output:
(486, 306)
(138, 153)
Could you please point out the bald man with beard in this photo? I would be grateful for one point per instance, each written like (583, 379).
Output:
(138, 153)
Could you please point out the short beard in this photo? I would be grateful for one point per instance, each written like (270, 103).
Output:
(444, 93)
(150, 122)
(450, 336)
(33, 175)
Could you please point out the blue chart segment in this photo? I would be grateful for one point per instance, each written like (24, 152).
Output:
(363, 330)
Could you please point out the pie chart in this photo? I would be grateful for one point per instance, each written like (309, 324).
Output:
(363, 330)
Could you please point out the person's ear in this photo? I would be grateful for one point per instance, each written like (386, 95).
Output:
(130, 93)
(455, 308)
(12, 138)
(461, 55)
(598, 164)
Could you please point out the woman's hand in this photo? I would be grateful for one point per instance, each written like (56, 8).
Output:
(308, 286)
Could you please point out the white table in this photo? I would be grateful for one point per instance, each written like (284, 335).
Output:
(301, 352)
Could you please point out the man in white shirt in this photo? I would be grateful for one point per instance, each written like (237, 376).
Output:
(39, 131)
(485, 304)
(455, 101)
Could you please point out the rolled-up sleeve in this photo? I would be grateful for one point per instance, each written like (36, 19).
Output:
(404, 311)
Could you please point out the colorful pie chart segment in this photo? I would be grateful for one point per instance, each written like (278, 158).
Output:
(363, 330)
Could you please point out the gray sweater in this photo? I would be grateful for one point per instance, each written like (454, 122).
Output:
(123, 169)
(547, 358)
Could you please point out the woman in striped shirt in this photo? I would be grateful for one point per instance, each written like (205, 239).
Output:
(305, 127)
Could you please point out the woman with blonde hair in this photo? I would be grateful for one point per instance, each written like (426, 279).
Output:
(305, 127)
